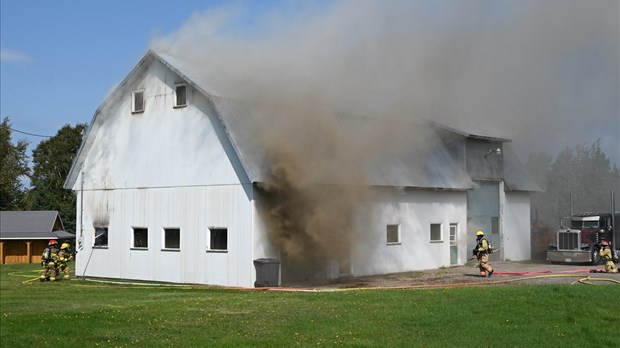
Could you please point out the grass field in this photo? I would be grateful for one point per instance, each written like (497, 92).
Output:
(79, 313)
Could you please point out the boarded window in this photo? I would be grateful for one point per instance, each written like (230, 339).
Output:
(140, 237)
(393, 234)
(435, 232)
(172, 238)
(137, 101)
(218, 239)
(180, 95)
(101, 236)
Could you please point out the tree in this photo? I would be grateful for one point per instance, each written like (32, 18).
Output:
(584, 172)
(52, 160)
(13, 168)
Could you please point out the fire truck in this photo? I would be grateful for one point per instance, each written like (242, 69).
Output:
(578, 238)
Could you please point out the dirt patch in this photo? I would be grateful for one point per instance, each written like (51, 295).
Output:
(506, 273)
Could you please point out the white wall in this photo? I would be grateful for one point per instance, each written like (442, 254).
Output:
(415, 211)
(516, 227)
(161, 147)
(193, 210)
(164, 167)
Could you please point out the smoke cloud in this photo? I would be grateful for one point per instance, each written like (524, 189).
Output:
(543, 73)
(538, 72)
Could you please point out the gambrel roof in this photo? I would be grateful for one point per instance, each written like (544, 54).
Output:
(432, 168)
(32, 225)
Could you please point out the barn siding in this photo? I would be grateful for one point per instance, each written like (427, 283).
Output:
(164, 168)
(193, 210)
(483, 205)
(517, 237)
(16, 251)
(415, 210)
(161, 147)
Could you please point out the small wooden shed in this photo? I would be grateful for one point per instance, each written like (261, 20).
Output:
(24, 234)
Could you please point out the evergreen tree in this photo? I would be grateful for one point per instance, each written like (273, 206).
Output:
(13, 168)
(52, 161)
(585, 173)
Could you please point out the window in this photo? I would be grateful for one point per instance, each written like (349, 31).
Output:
(218, 239)
(180, 95)
(454, 250)
(393, 234)
(137, 101)
(172, 238)
(435, 232)
(494, 225)
(140, 237)
(453, 229)
(101, 236)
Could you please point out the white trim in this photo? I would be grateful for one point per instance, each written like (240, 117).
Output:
(398, 234)
(430, 230)
(163, 239)
(501, 222)
(175, 104)
(210, 230)
(133, 236)
(133, 101)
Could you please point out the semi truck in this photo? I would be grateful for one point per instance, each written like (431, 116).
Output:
(578, 238)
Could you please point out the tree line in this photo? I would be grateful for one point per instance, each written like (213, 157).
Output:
(51, 161)
(583, 172)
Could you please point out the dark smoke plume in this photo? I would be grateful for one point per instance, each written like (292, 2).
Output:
(543, 73)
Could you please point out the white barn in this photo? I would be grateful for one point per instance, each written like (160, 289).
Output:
(173, 185)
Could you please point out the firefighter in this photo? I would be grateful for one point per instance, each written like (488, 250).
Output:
(64, 256)
(482, 251)
(49, 259)
(607, 256)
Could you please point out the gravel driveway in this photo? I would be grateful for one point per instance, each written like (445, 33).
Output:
(506, 273)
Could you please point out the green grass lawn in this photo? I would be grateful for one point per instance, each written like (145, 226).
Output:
(79, 313)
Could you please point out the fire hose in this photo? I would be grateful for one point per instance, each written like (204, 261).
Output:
(532, 275)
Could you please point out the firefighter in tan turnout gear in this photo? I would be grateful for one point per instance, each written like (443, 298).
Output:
(64, 256)
(49, 261)
(482, 251)
(607, 256)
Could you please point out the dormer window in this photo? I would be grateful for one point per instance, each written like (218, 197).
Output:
(180, 95)
(137, 101)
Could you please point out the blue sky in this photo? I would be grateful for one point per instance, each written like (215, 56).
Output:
(60, 58)
(548, 69)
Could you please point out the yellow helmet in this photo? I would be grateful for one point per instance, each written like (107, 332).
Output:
(480, 233)
(65, 246)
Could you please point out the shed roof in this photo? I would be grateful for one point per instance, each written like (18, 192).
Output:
(516, 176)
(468, 133)
(407, 167)
(32, 225)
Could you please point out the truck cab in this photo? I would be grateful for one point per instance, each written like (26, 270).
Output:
(578, 240)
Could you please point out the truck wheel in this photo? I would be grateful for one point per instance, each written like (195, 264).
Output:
(596, 258)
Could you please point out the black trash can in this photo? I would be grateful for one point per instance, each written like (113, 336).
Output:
(267, 272)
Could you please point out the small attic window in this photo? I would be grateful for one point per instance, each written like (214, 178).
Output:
(180, 95)
(137, 101)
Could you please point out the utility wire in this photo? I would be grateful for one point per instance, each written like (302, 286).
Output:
(36, 135)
